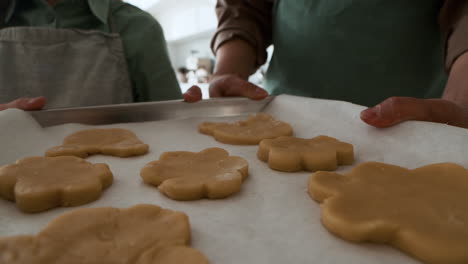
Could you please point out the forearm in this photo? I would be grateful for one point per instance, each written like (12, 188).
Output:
(250, 21)
(456, 89)
(236, 57)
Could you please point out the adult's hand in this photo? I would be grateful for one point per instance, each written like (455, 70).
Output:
(235, 62)
(232, 85)
(398, 109)
(227, 85)
(193, 94)
(28, 104)
(452, 109)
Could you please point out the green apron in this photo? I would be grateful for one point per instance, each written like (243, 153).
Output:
(361, 51)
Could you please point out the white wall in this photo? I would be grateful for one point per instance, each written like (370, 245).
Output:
(184, 18)
(179, 51)
(188, 25)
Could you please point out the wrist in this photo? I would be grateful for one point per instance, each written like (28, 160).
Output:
(235, 57)
(456, 89)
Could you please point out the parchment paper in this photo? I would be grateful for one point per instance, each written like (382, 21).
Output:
(272, 220)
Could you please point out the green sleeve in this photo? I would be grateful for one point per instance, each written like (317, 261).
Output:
(148, 61)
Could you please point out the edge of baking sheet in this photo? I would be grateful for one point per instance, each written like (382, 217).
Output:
(151, 111)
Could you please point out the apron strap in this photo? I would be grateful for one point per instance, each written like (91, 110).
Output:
(110, 23)
(110, 18)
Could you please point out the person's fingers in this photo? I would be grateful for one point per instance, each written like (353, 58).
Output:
(193, 94)
(246, 89)
(398, 109)
(31, 104)
(234, 86)
(28, 104)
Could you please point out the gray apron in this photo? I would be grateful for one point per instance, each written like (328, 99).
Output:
(70, 67)
(361, 51)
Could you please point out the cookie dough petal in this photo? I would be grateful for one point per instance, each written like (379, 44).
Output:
(365, 231)
(214, 153)
(36, 200)
(235, 164)
(323, 185)
(39, 200)
(224, 185)
(264, 149)
(207, 128)
(85, 192)
(105, 174)
(431, 250)
(150, 174)
(319, 160)
(69, 150)
(345, 153)
(284, 160)
(438, 172)
(156, 172)
(16, 250)
(125, 150)
(8, 181)
(228, 136)
(172, 255)
(183, 189)
(173, 155)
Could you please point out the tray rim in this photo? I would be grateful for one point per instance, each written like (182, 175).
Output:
(153, 111)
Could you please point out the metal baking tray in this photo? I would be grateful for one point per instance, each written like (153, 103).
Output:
(151, 111)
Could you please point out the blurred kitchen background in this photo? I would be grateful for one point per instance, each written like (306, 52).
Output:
(188, 27)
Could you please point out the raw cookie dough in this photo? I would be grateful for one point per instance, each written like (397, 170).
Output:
(423, 212)
(250, 132)
(114, 141)
(183, 175)
(40, 183)
(295, 154)
(142, 234)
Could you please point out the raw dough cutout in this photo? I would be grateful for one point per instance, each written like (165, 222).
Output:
(249, 132)
(114, 141)
(183, 175)
(423, 212)
(296, 154)
(142, 234)
(40, 183)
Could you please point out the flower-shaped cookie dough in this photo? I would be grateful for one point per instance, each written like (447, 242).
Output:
(40, 183)
(423, 212)
(295, 154)
(114, 141)
(250, 132)
(142, 234)
(183, 175)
